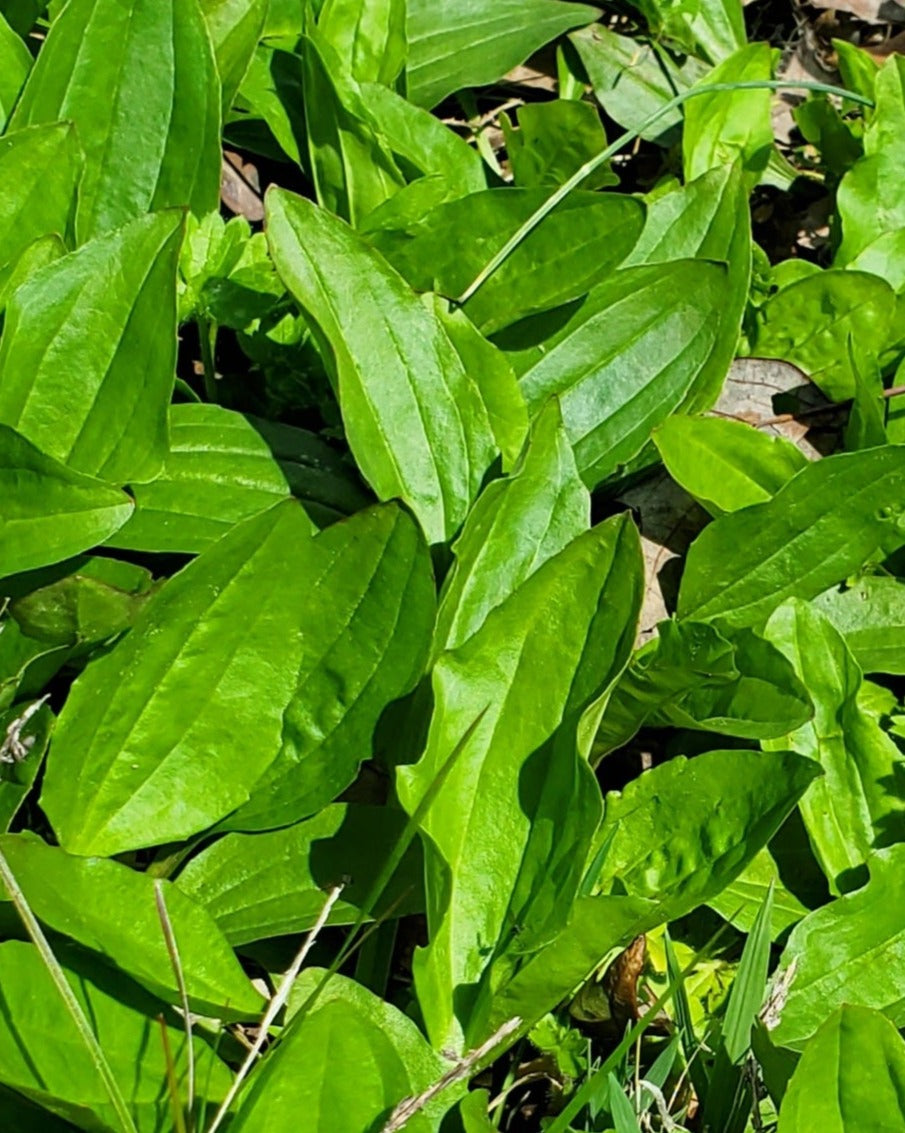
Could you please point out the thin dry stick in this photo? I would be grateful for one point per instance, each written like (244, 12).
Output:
(274, 1007)
(173, 948)
(67, 995)
(407, 1109)
(172, 1084)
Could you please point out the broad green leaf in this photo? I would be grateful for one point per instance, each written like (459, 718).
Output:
(112, 910)
(475, 42)
(345, 1065)
(850, 951)
(352, 167)
(77, 336)
(729, 125)
(25, 663)
(50, 512)
(553, 140)
(421, 143)
(165, 734)
(685, 829)
(369, 38)
(576, 246)
(364, 624)
(869, 202)
(870, 615)
(235, 27)
(15, 63)
(273, 91)
(854, 806)
(44, 1057)
(93, 600)
(223, 467)
(627, 357)
(163, 127)
(741, 899)
(21, 14)
(708, 218)
(724, 464)
(491, 370)
(693, 676)
(31, 725)
(829, 520)
(515, 526)
(884, 257)
(810, 322)
(632, 80)
(23, 1116)
(851, 1077)
(866, 425)
(415, 422)
(262, 885)
(525, 677)
(39, 171)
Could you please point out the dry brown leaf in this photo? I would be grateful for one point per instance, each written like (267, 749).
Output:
(240, 187)
(871, 11)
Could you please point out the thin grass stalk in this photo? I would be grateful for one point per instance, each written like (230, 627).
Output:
(172, 1083)
(623, 140)
(73, 1006)
(274, 1008)
(176, 961)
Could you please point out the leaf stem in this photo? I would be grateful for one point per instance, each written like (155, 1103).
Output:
(176, 961)
(629, 136)
(67, 995)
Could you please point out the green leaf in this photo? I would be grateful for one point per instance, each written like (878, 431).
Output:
(22, 14)
(531, 669)
(723, 1108)
(866, 426)
(364, 624)
(682, 831)
(49, 511)
(76, 336)
(553, 140)
(262, 885)
(868, 200)
(223, 467)
(235, 27)
(741, 899)
(415, 422)
(165, 734)
(475, 42)
(577, 245)
(490, 369)
(370, 38)
(352, 167)
(726, 465)
(515, 526)
(42, 1055)
(627, 357)
(829, 520)
(422, 144)
(851, 1077)
(713, 29)
(92, 70)
(693, 676)
(632, 80)
(708, 218)
(344, 1065)
(845, 953)
(884, 257)
(729, 125)
(39, 253)
(94, 600)
(853, 808)
(112, 910)
(870, 615)
(39, 171)
(810, 322)
(15, 63)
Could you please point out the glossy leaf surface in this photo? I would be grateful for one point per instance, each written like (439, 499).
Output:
(165, 133)
(142, 756)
